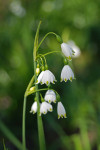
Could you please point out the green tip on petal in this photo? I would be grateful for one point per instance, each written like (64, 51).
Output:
(50, 109)
(61, 80)
(71, 79)
(49, 101)
(41, 82)
(61, 116)
(53, 82)
(47, 82)
(37, 81)
(65, 80)
(65, 116)
(54, 101)
(58, 117)
(33, 112)
(44, 112)
(69, 58)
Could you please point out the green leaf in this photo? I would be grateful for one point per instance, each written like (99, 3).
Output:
(4, 145)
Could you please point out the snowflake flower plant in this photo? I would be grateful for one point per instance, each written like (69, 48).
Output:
(42, 75)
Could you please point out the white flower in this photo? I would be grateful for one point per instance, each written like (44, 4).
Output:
(34, 108)
(40, 77)
(45, 107)
(75, 48)
(50, 96)
(46, 77)
(67, 50)
(61, 110)
(67, 73)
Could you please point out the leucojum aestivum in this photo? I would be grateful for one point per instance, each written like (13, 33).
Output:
(42, 75)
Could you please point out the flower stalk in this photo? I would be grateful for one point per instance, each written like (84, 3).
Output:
(24, 113)
(23, 124)
(39, 118)
(42, 75)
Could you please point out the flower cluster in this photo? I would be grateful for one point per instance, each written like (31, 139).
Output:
(46, 106)
(47, 77)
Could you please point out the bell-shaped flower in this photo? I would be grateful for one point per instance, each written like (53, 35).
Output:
(46, 77)
(50, 96)
(67, 73)
(45, 107)
(40, 77)
(34, 108)
(61, 110)
(75, 48)
(67, 50)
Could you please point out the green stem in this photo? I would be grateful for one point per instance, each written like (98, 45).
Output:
(10, 136)
(29, 86)
(45, 37)
(39, 118)
(45, 89)
(77, 142)
(23, 124)
(24, 112)
(41, 55)
(52, 52)
(28, 93)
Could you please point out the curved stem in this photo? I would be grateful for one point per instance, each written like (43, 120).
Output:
(41, 60)
(45, 37)
(49, 53)
(29, 85)
(31, 92)
(52, 52)
(42, 55)
(23, 124)
(42, 89)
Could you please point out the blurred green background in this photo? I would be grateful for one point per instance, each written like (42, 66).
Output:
(74, 20)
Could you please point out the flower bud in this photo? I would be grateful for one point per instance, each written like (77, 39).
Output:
(32, 89)
(43, 68)
(37, 71)
(57, 97)
(59, 39)
(46, 67)
(37, 65)
(65, 61)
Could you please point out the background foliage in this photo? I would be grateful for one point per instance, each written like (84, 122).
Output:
(74, 20)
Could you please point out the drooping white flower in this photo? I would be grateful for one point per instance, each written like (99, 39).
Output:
(67, 50)
(75, 48)
(61, 110)
(45, 107)
(50, 96)
(34, 108)
(40, 77)
(46, 77)
(67, 73)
